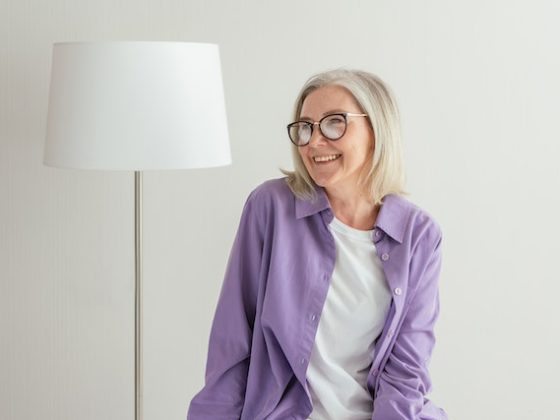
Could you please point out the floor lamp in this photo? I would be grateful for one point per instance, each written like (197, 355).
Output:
(136, 106)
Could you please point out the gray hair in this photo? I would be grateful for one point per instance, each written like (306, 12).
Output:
(385, 174)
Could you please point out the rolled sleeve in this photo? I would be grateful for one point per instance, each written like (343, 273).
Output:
(405, 379)
(229, 348)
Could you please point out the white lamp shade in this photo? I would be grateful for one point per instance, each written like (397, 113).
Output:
(136, 106)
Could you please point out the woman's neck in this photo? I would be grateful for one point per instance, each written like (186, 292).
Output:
(355, 210)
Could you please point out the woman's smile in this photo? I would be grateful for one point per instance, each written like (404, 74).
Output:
(324, 159)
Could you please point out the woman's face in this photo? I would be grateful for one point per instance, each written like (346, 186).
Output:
(354, 149)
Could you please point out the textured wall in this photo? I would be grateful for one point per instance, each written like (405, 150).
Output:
(478, 89)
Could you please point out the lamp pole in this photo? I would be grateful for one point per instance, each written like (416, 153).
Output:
(138, 388)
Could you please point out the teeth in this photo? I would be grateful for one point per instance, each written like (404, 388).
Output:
(325, 158)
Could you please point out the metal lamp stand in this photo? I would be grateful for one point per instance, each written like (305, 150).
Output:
(138, 388)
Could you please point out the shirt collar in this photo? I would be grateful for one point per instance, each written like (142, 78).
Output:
(392, 217)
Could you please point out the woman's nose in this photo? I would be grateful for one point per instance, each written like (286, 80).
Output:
(317, 137)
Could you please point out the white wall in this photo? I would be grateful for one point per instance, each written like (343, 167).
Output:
(478, 87)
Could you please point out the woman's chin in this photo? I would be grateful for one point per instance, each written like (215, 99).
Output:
(322, 181)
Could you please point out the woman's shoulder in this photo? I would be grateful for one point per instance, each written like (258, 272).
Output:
(269, 201)
(271, 190)
(414, 220)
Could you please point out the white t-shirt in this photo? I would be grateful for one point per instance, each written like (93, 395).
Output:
(352, 318)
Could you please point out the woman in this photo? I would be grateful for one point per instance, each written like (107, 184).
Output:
(330, 296)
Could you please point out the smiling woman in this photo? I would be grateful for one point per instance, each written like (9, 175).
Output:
(330, 297)
(376, 168)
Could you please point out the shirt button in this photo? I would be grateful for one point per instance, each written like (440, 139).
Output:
(398, 291)
(377, 233)
(302, 360)
(385, 257)
(312, 317)
(325, 277)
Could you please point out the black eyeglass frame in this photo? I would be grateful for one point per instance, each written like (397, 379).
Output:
(312, 124)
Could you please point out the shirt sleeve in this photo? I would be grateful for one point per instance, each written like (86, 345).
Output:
(405, 379)
(229, 348)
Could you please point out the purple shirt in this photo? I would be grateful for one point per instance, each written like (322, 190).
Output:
(275, 285)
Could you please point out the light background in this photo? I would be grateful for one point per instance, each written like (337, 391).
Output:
(478, 87)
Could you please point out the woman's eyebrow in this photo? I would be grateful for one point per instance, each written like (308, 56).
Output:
(332, 111)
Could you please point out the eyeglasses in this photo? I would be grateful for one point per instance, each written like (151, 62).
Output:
(332, 127)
